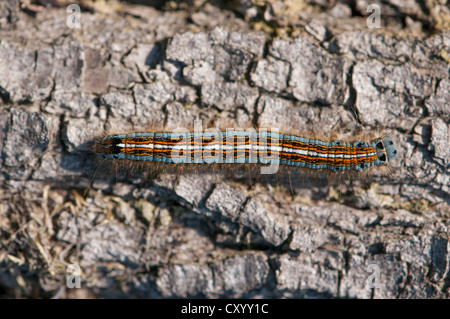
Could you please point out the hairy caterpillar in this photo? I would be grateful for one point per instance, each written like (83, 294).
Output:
(234, 146)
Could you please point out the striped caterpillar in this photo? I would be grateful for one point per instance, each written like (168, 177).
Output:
(268, 148)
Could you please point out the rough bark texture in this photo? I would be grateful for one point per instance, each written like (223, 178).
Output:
(293, 65)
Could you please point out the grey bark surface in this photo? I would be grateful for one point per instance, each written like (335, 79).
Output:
(149, 232)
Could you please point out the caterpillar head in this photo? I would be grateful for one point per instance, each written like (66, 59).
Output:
(386, 150)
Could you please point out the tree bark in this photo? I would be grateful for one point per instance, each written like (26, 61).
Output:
(316, 68)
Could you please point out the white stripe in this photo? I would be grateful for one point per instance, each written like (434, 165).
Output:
(223, 147)
(226, 147)
(325, 155)
(122, 145)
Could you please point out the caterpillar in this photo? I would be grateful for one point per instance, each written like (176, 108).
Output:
(235, 146)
